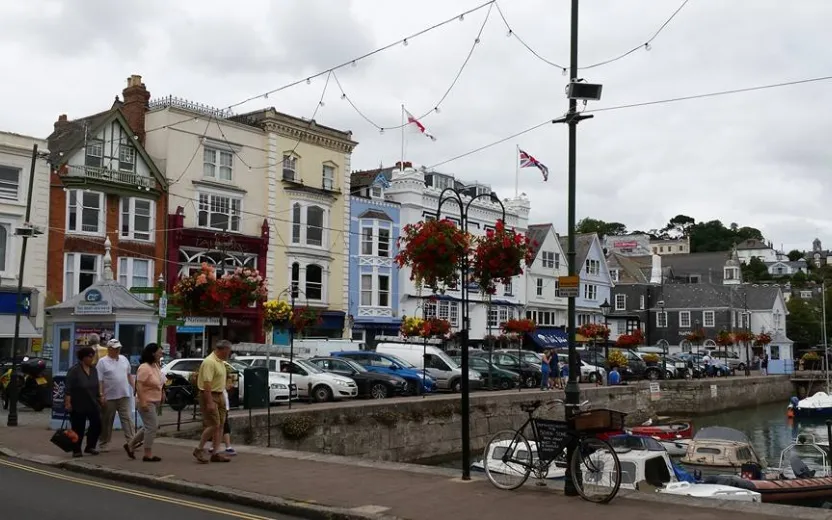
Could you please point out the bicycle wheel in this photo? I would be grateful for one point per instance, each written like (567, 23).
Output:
(507, 459)
(596, 470)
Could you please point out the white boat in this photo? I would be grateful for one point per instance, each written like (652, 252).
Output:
(496, 465)
(676, 448)
(717, 491)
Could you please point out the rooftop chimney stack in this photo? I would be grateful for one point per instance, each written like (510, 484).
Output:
(61, 122)
(136, 98)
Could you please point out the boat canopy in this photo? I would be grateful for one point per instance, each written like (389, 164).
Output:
(721, 433)
(634, 442)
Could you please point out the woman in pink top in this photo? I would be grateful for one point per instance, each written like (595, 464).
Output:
(149, 384)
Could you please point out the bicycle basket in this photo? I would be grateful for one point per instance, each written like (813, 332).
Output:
(600, 420)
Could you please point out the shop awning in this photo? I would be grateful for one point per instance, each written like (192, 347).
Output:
(546, 337)
(27, 330)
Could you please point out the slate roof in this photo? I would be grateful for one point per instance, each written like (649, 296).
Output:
(753, 243)
(583, 242)
(362, 179)
(632, 269)
(69, 136)
(708, 266)
(537, 233)
(798, 264)
(707, 295)
(119, 297)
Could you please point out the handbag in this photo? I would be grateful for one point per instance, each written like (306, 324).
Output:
(64, 439)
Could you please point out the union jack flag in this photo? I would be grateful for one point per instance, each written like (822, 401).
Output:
(527, 161)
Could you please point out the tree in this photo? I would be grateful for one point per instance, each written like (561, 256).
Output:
(795, 255)
(600, 227)
(678, 226)
(799, 279)
(803, 324)
(755, 271)
(714, 236)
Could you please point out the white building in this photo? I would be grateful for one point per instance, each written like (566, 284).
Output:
(596, 281)
(753, 248)
(543, 305)
(418, 194)
(15, 164)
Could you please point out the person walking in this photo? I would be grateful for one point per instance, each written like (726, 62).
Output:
(117, 388)
(149, 384)
(211, 383)
(226, 432)
(83, 401)
(764, 364)
(545, 369)
(554, 367)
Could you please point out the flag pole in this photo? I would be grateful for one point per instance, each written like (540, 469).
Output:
(403, 125)
(516, 170)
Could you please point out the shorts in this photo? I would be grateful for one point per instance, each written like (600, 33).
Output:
(218, 416)
(226, 428)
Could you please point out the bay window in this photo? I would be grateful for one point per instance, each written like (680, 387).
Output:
(137, 219)
(221, 212)
(85, 212)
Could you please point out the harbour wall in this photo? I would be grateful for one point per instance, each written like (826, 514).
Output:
(425, 430)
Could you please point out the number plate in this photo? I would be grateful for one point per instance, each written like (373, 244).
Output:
(293, 391)
(680, 365)
(41, 381)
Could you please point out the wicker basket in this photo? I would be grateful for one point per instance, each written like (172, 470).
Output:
(601, 420)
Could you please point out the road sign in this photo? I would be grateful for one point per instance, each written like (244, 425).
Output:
(569, 286)
(146, 290)
(174, 309)
(163, 306)
(170, 322)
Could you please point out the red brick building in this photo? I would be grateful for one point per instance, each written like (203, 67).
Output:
(104, 184)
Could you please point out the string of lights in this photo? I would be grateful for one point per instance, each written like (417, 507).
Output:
(445, 94)
(645, 45)
(635, 105)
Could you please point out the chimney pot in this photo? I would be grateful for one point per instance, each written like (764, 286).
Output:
(62, 118)
(134, 80)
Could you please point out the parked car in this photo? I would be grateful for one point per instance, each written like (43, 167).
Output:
(312, 382)
(500, 378)
(393, 365)
(530, 373)
(180, 390)
(440, 366)
(589, 373)
(527, 356)
(732, 359)
(370, 384)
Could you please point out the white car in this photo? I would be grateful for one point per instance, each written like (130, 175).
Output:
(278, 383)
(589, 372)
(312, 382)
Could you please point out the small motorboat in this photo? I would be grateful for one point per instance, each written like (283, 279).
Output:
(818, 405)
(717, 450)
(665, 432)
(496, 452)
(676, 448)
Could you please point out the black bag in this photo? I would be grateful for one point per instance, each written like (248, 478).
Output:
(63, 438)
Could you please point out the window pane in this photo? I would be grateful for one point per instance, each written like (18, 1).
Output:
(314, 226)
(296, 223)
(383, 242)
(383, 291)
(367, 241)
(295, 275)
(366, 290)
(4, 237)
(314, 282)
(9, 181)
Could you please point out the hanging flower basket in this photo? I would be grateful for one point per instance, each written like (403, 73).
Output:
(242, 288)
(594, 331)
(522, 326)
(277, 313)
(724, 339)
(411, 327)
(303, 318)
(499, 256)
(617, 358)
(436, 328)
(744, 336)
(199, 293)
(696, 336)
(630, 340)
(762, 339)
(434, 251)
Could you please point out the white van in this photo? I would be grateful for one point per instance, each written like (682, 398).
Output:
(322, 347)
(312, 382)
(434, 361)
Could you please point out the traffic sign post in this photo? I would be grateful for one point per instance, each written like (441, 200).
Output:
(569, 286)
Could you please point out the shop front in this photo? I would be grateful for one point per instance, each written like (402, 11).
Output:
(330, 325)
(8, 309)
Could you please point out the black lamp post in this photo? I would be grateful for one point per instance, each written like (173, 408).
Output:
(664, 342)
(698, 341)
(605, 310)
(456, 196)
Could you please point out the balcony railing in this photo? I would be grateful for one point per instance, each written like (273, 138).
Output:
(103, 174)
(190, 106)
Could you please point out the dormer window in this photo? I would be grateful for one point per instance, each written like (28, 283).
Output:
(290, 167)
(376, 192)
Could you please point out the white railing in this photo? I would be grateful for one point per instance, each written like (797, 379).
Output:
(104, 174)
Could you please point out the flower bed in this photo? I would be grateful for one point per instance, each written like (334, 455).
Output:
(499, 256)
(434, 250)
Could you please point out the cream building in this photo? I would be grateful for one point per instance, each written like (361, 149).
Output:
(15, 164)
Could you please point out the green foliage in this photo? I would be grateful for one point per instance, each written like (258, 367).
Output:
(795, 255)
(678, 226)
(297, 427)
(601, 228)
(755, 271)
(714, 236)
(799, 279)
(803, 324)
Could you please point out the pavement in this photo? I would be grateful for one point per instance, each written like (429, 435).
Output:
(324, 486)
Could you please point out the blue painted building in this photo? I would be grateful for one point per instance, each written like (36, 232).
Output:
(374, 280)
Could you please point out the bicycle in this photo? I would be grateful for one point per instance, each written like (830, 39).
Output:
(509, 455)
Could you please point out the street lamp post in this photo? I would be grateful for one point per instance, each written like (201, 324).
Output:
(455, 195)
(698, 341)
(605, 310)
(664, 343)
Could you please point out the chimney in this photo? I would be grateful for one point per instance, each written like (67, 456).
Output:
(134, 108)
(62, 122)
(656, 271)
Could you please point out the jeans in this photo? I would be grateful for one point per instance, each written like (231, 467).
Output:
(78, 420)
(108, 415)
(544, 380)
(150, 421)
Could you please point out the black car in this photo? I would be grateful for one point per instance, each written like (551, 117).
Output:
(370, 384)
(530, 374)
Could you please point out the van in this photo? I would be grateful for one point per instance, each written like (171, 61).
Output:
(434, 361)
(320, 347)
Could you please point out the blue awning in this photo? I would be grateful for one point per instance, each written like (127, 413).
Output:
(546, 337)
(332, 320)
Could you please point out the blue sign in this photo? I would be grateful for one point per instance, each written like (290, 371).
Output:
(190, 329)
(8, 303)
(93, 296)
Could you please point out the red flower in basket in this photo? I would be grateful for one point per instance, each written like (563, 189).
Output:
(499, 256)
(762, 339)
(594, 331)
(435, 327)
(434, 250)
(630, 340)
(521, 326)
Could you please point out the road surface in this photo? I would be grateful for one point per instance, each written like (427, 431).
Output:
(32, 491)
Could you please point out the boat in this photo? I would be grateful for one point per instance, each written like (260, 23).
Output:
(818, 406)
(717, 450)
(557, 470)
(676, 448)
(793, 482)
(674, 436)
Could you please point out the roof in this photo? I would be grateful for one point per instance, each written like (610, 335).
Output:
(706, 295)
(633, 269)
(375, 214)
(363, 179)
(113, 292)
(721, 433)
(583, 242)
(708, 266)
(752, 243)
(537, 234)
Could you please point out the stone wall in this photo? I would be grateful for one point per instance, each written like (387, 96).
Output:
(421, 430)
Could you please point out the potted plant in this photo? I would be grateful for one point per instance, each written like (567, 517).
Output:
(435, 328)
(242, 287)
(499, 256)
(434, 250)
(411, 327)
(198, 294)
(277, 313)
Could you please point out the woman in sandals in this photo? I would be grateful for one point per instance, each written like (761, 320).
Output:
(149, 384)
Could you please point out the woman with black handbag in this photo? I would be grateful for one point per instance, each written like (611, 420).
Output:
(83, 401)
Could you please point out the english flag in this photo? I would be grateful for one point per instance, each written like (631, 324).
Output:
(527, 161)
(415, 122)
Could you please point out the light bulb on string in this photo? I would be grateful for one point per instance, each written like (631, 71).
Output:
(436, 109)
(647, 46)
(510, 33)
(462, 18)
(564, 71)
(404, 42)
(322, 104)
(308, 81)
(381, 131)
(353, 63)
(266, 95)
(343, 96)
(476, 41)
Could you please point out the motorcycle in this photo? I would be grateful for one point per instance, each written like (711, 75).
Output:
(33, 387)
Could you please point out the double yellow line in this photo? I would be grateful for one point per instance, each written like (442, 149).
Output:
(134, 492)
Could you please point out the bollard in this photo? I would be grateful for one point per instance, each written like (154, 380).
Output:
(179, 419)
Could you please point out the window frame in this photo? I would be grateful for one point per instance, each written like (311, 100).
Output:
(231, 199)
(661, 320)
(300, 229)
(365, 291)
(5, 193)
(131, 217)
(331, 178)
(126, 149)
(623, 301)
(91, 146)
(547, 259)
(683, 314)
(590, 292)
(538, 287)
(126, 269)
(379, 291)
(217, 164)
(705, 315)
(376, 192)
(6, 249)
(79, 208)
(76, 271)
(307, 283)
(289, 164)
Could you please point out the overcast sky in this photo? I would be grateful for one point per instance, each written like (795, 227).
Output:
(759, 159)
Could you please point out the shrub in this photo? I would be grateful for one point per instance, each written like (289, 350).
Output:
(297, 427)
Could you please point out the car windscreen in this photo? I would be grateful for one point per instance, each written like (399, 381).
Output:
(399, 361)
(310, 367)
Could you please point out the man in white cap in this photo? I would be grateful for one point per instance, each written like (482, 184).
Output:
(117, 388)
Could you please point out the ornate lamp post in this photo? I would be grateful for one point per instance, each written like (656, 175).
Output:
(605, 310)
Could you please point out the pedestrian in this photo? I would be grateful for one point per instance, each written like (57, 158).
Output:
(94, 342)
(149, 384)
(83, 401)
(116, 383)
(211, 383)
(226, 431)
(564, 374)
(554, 368)
(764, 364)
(544, 370)
(614, 377)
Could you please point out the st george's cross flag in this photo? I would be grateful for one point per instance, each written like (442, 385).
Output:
(419, 126)
(527, 161)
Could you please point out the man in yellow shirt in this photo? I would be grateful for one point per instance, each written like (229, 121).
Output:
(210, 384)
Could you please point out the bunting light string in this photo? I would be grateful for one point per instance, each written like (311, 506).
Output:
(445, 94)
(636, 105)
(646, 45)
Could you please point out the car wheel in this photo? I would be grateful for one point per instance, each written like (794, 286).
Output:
(593, 377)
(505, 384)
(456, 386)
(741, 367)
(669, 375)
(322, 394)
(379, 391)
(530, 382)
(653, 375)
